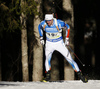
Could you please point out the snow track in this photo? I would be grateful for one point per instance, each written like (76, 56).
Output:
(92, 84)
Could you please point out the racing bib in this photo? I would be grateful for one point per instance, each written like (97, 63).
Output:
(54, 37)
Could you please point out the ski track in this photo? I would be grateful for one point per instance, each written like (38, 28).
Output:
(92, 84)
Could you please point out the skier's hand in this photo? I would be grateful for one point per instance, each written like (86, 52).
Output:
(42, 40)
(67, 41)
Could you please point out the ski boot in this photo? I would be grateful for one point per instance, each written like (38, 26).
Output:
(47, 78)
(80, 75)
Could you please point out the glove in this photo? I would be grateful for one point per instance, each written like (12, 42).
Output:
(67, 41)
(42, 40)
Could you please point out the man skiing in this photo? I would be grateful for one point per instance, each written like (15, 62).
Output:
(54, 41)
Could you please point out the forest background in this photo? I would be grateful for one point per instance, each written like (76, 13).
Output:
(21, 54)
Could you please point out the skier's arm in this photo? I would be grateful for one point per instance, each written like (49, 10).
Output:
(41, 34)
(40, 30)
(67, 34)
(67, 27)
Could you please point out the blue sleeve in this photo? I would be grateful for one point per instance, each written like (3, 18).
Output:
(62, 23)
(67, 27)
(40, 30)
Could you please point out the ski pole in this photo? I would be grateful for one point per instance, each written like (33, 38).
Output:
(76, 56)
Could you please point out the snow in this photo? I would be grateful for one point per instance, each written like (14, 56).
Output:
(92, 84)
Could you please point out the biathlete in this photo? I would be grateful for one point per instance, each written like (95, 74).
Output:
(54, 41)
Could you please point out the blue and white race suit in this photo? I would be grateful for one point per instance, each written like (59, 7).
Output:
(54, 41)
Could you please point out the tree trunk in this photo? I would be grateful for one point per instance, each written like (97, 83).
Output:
(24, 47)
(0, 62)
(68, 8)
(37, 50)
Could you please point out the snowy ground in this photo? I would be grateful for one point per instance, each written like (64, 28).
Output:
(92, 84)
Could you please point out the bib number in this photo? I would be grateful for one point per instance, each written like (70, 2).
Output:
(53, 35)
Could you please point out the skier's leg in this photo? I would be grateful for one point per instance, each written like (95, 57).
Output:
(48, 54)
(76, 68)
(72, 62)
(64, 51)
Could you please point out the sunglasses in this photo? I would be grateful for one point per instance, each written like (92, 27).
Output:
(47, 20)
